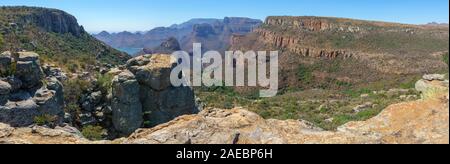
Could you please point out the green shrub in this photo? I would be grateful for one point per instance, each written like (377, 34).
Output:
(93, 132)
(44, 120)
(445, 58)
(304, 74)
(72, 67)
(73, 90)
(72, 107)
(1, 41)
(104, 82)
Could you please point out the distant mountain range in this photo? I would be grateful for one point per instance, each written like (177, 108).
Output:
(214, 34)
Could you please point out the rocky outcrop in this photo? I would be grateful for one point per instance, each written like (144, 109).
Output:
(25, 94)
(430, 84)
(5, 62)
(143, 94)
(424, 121)
(126, 106)
(50, 20)
(167, 47)
(294, 45)
(28, 69)
(318, 24)
(5, 90)
(303, 23)
(42, 135)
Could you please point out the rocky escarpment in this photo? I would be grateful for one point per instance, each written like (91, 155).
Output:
(26, 93)
(334, 37)
(425, 121)
(55, 34)
(356, 52)
(50, 20)
(293, 45)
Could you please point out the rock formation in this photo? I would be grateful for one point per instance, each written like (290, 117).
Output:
(126, 106)
(167, 47)
(24, 92)
(424, 121)
(143, 94)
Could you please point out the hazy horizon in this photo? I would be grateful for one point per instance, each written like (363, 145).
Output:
(117, 16)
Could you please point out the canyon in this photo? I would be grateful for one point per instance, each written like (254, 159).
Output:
(341, 81)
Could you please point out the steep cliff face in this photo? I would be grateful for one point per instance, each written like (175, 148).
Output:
(307, 23)
(363, 51)
(55, 21)
(50, 20)
(54, 34)
(293, 44)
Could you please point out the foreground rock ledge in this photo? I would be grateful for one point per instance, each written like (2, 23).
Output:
(422, 121)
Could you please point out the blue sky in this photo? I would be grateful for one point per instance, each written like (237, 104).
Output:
(141, 15)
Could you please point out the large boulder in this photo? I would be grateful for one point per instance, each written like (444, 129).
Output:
(48, 103)
(53, 71)
(28, 69)
(16, 83)
(431, 82)
(149, 93)
(153, 70)
(5, 89)
(54, 84)
(5, 62)
(19, 114)
(126, 107)
(23, 97)
(168, 104)
(431, 77)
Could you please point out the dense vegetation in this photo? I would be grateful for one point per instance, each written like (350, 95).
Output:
(93, 132)
(21, 29)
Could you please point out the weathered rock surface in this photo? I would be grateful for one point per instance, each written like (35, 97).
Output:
(152, 70)
(425, 121)
(431, 83)
(28, 69)
(126, 107)
(5, 89)
(41, 135)
(23, 97)
(160, 100)
(49, 102)
(5, 62)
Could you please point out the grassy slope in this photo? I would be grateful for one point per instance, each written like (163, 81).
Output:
(66, 50)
